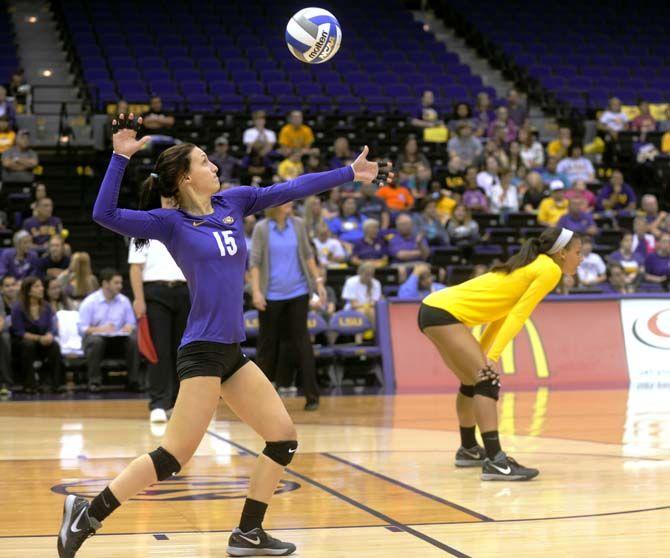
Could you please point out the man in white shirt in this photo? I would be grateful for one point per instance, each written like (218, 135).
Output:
(161, 294)
(258, 132)
(613, 120)
(329, 250)
(361, 292)
(592, 271)
(488, 178)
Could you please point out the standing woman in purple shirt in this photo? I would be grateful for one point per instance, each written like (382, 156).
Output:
(205, 236)
(34, 327)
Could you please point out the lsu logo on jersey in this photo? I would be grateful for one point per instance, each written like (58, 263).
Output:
(178, 488)
(228, 220)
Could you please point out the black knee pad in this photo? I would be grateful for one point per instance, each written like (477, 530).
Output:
(468, 391)
(488, 388)
(165, 463)
(281, 452)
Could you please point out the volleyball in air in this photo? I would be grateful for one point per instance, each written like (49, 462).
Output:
(313, 35)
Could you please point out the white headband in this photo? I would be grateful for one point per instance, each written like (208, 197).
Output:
(562, 241)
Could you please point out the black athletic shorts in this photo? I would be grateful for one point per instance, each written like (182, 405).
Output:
(430, 316)
(205, 358)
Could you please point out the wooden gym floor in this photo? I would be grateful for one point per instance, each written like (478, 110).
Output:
(374, 478)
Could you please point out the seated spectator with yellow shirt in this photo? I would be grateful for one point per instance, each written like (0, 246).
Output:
(291, 167)
(559, 147)
(295, 135)
(555, 206)
(7, 135)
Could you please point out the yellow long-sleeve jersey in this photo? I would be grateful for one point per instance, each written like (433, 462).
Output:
(503, 301)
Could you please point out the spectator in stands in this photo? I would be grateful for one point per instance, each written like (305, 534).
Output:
(283, 276)
(483, 113)
(419, 184)
(632, 262)
(43, 225)
(342, 154)
(503, 126)
(551, 173)
(19, 88)
(657, 264)
(419, 284)
(55, 261)
(464, 147)
(554, 207)
(559, 147)
(504, 196)
(362, 291)
(295, 135)
(427, 115)
(19, 162)
(106, 321)
(39, 193)
(514, 160)
(312, 213)
(256, 164)
(462, 115)
(20, 261)
(664, 125)
(372, 247)
(313, 162)
(616, 196)
(331, 206)
(8, 297)
(578, 220)
(665, 143)
(78, 281)
(518, 112)
(445, 199)
(535, 192)
(397, 197)
(474, 197)
(479, 269)
(225, 162)
(7, 135)
(643, 122)
(431, 225)
(7, 107)
(613, 120)
(329, 250)
(56, 297)
(489, 178)
(291, 167)
(34, 326)
(259, 134)
(463, 231)
(405, 247)
(652, 215)
(348, 225)
(617, 281)
(531, 153)
(372, 206)
(581, 193)
(591, 270)
(410, 158)
(157, 120)
(577, 167)
(643, 241)
(568, 284)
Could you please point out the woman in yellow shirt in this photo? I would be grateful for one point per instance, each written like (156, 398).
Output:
(504, 298)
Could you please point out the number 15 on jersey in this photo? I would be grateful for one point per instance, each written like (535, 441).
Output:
(226, 242)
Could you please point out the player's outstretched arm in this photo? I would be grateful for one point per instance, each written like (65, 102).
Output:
(360, 170)
(138, 224)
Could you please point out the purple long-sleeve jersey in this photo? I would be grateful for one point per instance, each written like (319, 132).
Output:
(209, 249)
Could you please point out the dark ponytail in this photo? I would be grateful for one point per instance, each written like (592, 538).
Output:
(531, 249)
(163, 182)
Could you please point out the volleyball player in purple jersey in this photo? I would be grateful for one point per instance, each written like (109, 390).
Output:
(205, 236)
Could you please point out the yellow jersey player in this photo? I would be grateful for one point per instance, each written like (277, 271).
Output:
(503, 299)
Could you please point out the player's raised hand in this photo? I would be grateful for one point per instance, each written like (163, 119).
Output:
(369, 171)
(124, 135)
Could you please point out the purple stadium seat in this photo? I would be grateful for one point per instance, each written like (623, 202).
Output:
(189, 88)
(337, 89)
(231, 103)
(222, 88)
(279, 88)
(248, 88)
(186, 75)
(244, 75)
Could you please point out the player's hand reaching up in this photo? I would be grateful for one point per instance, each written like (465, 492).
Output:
(369, 171)
(124, 135)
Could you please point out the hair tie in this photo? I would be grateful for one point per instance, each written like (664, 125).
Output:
(154, 175)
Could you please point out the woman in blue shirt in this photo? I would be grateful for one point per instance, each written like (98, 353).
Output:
(204, 233)
(34, 327)
(348, 225)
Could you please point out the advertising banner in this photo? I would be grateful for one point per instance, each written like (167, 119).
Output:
(646, 328)
(567, 344)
